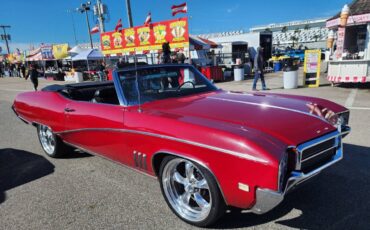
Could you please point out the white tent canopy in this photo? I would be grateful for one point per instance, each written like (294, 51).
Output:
(75, 50)
(88, 54)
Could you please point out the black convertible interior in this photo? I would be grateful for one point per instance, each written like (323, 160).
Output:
(101, 92)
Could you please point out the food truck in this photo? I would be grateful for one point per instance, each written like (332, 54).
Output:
(348, 41)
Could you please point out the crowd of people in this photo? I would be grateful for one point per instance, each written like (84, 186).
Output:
(20, 70)
(12, 70)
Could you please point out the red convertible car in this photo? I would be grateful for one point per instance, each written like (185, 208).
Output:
(209, 148)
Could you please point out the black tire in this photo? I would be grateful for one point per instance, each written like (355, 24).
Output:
(60, 148)
(218, 207)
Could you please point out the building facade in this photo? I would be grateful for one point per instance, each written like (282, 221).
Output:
(310, 33)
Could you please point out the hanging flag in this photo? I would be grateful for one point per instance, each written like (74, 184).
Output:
(148, 19)
(182, 8)
(94, 30)
(119, 25)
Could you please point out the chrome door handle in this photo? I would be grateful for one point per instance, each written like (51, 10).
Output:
(68, 110)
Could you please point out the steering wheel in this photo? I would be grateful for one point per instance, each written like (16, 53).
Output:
(179, 88)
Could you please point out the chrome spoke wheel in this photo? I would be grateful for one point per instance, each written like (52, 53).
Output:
(186, 190)
(47, 139)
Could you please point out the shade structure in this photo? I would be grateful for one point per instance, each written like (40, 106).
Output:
(35, 57)
(198, 44)
(211, 43)
(88, 54)
(76, 50)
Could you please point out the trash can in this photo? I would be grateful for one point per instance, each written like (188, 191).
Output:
(238, 73)
(290, 77)
(277, 66)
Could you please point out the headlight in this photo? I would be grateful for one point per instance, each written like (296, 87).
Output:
(282, 172)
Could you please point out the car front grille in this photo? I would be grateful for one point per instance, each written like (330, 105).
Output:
(318, 153)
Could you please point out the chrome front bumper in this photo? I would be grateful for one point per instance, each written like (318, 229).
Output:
(267, 199)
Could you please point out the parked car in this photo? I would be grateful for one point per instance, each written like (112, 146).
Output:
(296, 54)
(209, 148)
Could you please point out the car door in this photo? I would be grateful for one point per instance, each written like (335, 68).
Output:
(96, 128)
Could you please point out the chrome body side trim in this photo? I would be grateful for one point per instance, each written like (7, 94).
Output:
(269, 106)
(267, 199)
(230, 152)
(194, 160)
(117, 162)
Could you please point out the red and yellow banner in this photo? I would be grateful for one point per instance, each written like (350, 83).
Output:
(146, 38)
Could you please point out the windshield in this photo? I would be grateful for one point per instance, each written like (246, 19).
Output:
(159, 83)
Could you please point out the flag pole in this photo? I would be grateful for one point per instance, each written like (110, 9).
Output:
(129, 14)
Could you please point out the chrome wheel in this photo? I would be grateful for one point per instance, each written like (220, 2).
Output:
(47, 139)
(186, 190)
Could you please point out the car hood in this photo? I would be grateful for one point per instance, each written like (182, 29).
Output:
(287, 119)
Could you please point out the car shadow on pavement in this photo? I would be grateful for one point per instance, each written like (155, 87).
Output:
(18, 167)
(336, 199)
(76, 153)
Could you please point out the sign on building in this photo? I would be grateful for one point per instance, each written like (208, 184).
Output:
(147, 38)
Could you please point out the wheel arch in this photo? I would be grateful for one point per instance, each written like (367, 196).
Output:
(158, 157)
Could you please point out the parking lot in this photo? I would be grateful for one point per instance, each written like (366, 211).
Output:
(88, 192)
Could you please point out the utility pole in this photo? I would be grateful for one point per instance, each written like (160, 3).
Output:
(85, 7)
(6, 37)
(99, 11)
(88, 29)
(129, 15)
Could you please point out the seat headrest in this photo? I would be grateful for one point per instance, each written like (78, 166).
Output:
(107, 92)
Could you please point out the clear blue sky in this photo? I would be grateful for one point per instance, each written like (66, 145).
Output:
(47, 21)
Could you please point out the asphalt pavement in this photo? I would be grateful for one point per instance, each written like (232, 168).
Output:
(87, 192)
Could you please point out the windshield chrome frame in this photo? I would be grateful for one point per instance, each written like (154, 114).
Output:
(117, 82)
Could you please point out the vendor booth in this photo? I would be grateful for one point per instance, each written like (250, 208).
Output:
(204, 59)
(85, 65)
(49, 58)
(349, 44)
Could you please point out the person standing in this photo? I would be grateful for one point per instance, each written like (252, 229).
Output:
(23, 71)
(11, 70)
(1, 69)
(33, 75)
(166, 51)
(18, 70)
(120, 64)
(258, 69)
(101, 71)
